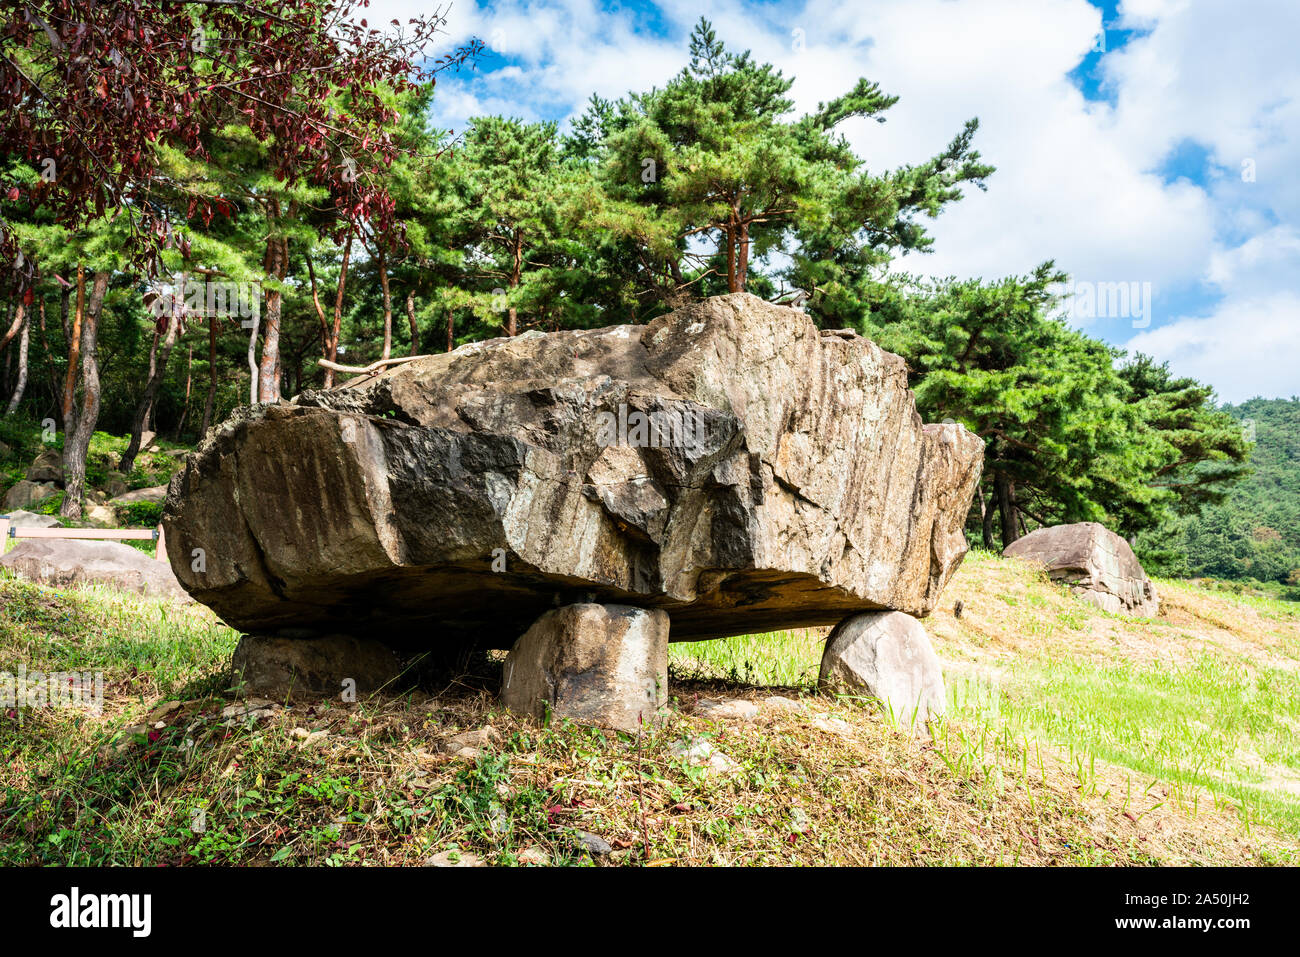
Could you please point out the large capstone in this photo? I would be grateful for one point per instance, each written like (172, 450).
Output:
(727, 463)
(1094, 562)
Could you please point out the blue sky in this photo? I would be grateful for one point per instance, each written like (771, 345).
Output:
(1150, 143)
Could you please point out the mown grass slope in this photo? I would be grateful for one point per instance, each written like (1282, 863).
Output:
(1075, 737)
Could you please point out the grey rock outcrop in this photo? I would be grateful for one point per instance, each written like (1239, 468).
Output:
(1095, 562)
(26, 493)
(157, 493)
(48, 467)
(25, 519)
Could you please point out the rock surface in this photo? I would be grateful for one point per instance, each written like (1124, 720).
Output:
(1095, 562)
(700, 753)
(157, 493)
(888, 656)
(22, 519)
(26, 493)
(455, 859)
(727, 709)
(48, 467)
(70, 561)
(596, 664)
(334, 666)
(101, 516)
(462, 495)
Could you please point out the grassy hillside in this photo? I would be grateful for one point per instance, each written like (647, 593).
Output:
(1075, 737)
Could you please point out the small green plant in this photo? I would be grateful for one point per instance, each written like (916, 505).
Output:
(143, 514)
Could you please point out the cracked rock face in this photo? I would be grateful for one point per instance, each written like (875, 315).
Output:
(727, 463)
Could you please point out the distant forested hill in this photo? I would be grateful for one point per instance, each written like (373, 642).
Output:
(1255, 531)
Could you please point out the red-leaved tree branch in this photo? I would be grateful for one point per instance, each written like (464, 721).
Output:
(89, 88)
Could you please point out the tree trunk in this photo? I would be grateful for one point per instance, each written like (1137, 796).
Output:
(212, 376)
(74, 350)
(268, 372)
(332, 346)
(415, 329)
(22, 368)
(451, 329)
(268, 392)
(985, 516)
(55, 393)
(388, 307)
(65, 294)
(157, 371)
(512, 313)
(1005, 491)
(189, 385)
(731, 258)
(76, 442)
(742, 268)
(15, 326)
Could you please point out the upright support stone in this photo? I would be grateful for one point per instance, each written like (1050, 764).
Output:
(340, 667)
(886, 655)
(596, 664)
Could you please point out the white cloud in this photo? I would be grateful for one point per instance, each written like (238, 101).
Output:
(1246, 348)
(1078, 181)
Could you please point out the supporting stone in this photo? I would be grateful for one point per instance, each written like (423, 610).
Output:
(596, 664)
(886, 655)
(341, 667)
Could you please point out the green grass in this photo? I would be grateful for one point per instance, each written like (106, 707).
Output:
(780, 659)
(151, 783)
(1205, 728)
(1221, 728)
(1213, 730)
(165, 647)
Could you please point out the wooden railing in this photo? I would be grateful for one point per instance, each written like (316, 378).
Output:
(8, 531)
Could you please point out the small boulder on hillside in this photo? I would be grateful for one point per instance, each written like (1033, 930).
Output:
(48, 467)
(23, 519)
(101, 516)
(886, 655)
(1095, 562)
(74, 561)
(157, 493)
(27, 493)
